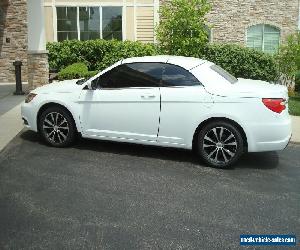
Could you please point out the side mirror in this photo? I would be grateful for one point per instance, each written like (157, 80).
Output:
(92, 85)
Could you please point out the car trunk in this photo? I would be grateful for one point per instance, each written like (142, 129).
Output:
(247, 88)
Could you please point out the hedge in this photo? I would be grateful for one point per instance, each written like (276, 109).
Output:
(99, 54)
(75, 71)
(243, 62)
(96, 54)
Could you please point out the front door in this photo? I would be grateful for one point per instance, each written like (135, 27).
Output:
(125, 105)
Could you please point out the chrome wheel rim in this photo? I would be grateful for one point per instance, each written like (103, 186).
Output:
(220, 145)
(56, 127)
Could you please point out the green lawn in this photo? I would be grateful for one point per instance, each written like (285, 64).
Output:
(294, 105)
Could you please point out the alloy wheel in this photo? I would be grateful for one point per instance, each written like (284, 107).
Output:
(220, 145)
(56, 127)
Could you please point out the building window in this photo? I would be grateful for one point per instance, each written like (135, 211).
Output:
(67, 23)
(94, 23)
(89, 21)
(112, 23)
(208, 30)
(264, 38)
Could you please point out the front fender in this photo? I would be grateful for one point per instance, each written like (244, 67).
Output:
(71, 106)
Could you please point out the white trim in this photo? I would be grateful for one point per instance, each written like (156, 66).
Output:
(36, 25)
(78, 24)
(54, 21)
(37, 52)
(155, 18)
(124, 14)
(101, 23)
(93, 4)
(134, 21)
(263, 38)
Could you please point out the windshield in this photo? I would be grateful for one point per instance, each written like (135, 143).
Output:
(230, 78)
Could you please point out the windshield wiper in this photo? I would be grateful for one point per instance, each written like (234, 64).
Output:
(82, 81)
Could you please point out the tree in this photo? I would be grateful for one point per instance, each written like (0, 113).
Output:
(182, 29)
(289, 55)
(289, 59)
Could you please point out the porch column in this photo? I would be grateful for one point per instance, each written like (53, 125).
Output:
(38, 67)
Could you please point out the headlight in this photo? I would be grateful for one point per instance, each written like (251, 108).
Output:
(30, 97)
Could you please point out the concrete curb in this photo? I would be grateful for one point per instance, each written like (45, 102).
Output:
(11, 83)
(295, 129)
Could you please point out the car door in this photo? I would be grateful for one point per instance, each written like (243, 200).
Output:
(184, 101)
(125, 105)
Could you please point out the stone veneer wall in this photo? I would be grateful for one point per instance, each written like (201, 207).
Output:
(13, 38)
(38, 70)
(230, 19)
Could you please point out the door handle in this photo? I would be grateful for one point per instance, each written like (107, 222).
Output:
(147, 96)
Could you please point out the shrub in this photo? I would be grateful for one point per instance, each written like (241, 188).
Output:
(182, 29)
(75, 71)
(289, 56)
(242, 62)
(97, 54)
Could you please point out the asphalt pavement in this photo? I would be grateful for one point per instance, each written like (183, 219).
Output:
(105, 195)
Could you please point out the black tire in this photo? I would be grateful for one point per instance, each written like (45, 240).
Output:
(56, 127)
(220, 144)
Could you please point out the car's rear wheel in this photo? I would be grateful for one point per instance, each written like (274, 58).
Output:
(220, 144)
(57, 127)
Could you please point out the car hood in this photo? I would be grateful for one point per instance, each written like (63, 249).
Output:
(250, 88)
(67, 86)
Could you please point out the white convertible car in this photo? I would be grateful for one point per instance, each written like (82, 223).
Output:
(166, 101)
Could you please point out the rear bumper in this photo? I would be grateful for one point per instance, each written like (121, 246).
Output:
(272, 145)
(270, 136)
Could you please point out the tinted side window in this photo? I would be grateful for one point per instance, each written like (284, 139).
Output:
(176, 76)
(132, 75)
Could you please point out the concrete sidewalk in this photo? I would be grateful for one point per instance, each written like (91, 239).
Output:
(10, 125)
(10, 113)
(296, 129)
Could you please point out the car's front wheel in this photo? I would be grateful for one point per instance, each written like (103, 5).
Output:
(220, 144)
(57, 127)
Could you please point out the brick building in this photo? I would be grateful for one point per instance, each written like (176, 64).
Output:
(13, 37)
(259, 24)
(22, 37)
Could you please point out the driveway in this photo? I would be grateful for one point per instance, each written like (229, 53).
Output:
(103, 195)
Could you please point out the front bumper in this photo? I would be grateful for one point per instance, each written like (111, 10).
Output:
(28, 113)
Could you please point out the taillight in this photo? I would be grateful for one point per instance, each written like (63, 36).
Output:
(275, 104)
